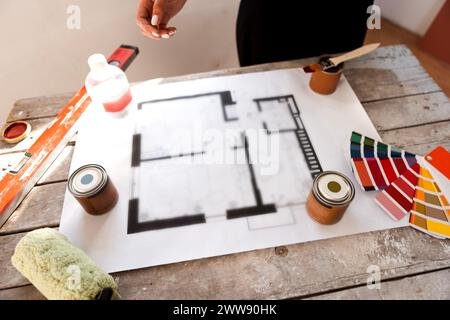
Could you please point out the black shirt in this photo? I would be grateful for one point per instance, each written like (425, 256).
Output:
(269, 31)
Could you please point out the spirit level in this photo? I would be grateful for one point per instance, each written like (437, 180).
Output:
(19, 181)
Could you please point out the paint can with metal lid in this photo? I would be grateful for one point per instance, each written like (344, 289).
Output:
(93, 189)
(331, 195)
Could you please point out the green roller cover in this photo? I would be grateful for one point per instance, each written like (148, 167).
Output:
(59, 270)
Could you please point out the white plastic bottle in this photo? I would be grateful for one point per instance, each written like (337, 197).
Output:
(107, 84)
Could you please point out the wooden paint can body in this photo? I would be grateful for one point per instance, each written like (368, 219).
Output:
(326, 82)
(330, 197)
(93, 189)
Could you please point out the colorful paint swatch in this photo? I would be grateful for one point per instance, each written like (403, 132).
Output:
(435, 228)
(377, 164)
(400, 165)
(407, 187)
(419, 196)
(391, 206)
(422, 224)
(397, 199)
(362, 174)
(395, 152)
(382, 150)
(440, 159)
(389, 170)
(376, 172)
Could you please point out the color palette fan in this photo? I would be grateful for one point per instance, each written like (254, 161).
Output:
(407, 186)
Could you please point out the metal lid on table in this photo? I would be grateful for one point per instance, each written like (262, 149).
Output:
(16, 132)
(333, 189)
(88, 181)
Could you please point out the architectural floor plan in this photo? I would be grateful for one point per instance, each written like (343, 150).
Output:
(217, 166)
(169, 193)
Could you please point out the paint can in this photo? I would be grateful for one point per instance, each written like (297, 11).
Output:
(331, 195)
(93, 189)
(15, 132)
(325, 81)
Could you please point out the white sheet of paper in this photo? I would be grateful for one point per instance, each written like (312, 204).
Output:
(172, 187)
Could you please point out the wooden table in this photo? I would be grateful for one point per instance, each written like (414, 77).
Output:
(408, 109)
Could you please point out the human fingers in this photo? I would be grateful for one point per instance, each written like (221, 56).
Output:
(166, 32)
(145, 8)
(158, 15)
(149, 31)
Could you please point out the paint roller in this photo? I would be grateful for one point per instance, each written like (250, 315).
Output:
(59, 270)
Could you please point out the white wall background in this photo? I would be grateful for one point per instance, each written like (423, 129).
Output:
(414, 15)
(41, 56)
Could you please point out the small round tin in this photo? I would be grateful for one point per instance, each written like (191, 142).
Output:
(15, 132)
(93, 189)
(330, 197)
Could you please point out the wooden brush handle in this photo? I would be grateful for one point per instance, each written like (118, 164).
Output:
(355, 53)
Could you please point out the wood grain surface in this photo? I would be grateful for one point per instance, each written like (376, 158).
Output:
(408, 109)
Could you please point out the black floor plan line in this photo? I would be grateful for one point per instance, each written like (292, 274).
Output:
(272, 111)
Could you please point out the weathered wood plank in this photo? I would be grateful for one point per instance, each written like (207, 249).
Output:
(298, 270)
(380, 84)
(27, 292)
(315, 266)
(431, 286)
(39, 107)
(59, 170)
(388, 72)
(9, 277)
(409, 111)
(387, 57)
(49, 106)
(423, 149)
(419, 139)
(266, 274)
(8, 161)
(41, 208)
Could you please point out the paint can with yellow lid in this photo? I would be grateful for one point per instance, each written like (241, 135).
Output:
(331, 195)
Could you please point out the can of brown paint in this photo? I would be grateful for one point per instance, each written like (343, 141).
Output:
(331, 195)
(93, 189)
(326, 81)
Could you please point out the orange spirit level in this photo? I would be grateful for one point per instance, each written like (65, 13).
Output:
(18, 182)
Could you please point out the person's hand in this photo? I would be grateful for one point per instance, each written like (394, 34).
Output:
(154, 15)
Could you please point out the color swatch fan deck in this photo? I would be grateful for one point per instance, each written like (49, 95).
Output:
(407, 187)
(376, 164)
